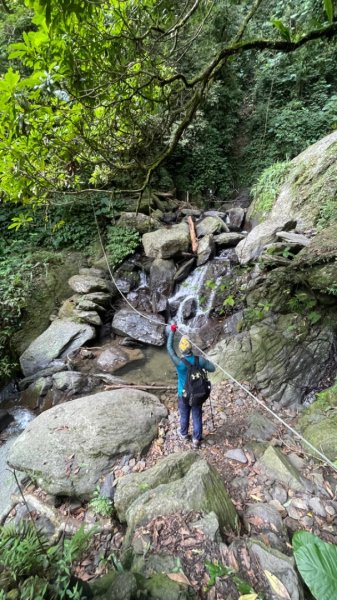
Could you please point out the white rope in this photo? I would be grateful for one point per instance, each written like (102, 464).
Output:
(228, 375)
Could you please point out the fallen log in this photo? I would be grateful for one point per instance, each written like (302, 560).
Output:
(193, 235)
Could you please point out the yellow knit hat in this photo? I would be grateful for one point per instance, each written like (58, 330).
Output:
(185, 345)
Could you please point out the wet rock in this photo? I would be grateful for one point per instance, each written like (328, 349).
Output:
(168, 242)
(161, 282)
(5, 419)
(210, 225)
(143, 327)
(228, 240)
(275, 464)
(60, 339)
(107, 489)
(205, 249)
(189, 309)
(32, 395)
(124, 587)
(112, 359)
(86, 284)
(69, 381)
(184, 270)
(234, 218)
(67, 448)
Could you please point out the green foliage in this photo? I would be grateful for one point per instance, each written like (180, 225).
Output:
(327, 213)
(316, 561)
(216, 569)
(257, 313)
(267, 187)
(37, 570)
(101, 505)
(121, 241)
(303, 303)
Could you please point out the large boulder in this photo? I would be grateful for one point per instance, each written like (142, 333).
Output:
(167, 242)
(263, 234)
(318, 423)
(67, 448)
(209, 225)
(309, 186)
(161, 282)
(284, 356)
(142, 223)
(140, 326)
(180, 482)
(60, 339)
(87, 284)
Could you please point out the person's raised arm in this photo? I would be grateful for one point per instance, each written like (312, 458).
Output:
(206, 364)
(170, 346)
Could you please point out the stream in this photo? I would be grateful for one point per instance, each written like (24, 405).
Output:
(190, 307)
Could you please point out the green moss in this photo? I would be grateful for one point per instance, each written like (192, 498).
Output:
(266, 189)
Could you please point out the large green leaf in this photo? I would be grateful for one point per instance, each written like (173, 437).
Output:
(317, 564)
(328, 5)
(302, 538)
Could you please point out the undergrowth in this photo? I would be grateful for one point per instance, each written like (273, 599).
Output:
(267, 187)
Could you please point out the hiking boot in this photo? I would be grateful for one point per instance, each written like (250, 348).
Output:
(185, 438)
(196, 443)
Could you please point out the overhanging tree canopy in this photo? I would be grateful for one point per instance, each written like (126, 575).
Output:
(106, 89)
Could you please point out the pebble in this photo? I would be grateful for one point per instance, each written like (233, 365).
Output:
(317, 507)
(237, 454)
(330, 510)
(299, 503)
(294, 513)
(279, 507)
(280, 494)
(307, 522)
(132, 462)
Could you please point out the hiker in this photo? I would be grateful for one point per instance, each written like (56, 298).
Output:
(185, 409)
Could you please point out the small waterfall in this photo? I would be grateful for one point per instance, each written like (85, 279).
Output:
(194, 299)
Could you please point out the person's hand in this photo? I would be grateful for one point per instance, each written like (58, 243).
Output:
(173, 327)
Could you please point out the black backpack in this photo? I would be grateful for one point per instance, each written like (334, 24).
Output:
(197, 386)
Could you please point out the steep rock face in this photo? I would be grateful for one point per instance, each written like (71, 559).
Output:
(311, 184)
(48, 292)
(67, 448)
(283, 356)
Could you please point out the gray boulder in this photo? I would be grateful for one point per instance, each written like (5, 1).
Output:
(180, 482)
(67, 448)
(282, 365)
(205, 249)
(58, 341)
(234, 218)
(142, 223)
(161, 282)
(86, 284)
(140, 326)
(210, 225)
(264, 233)
(227, 240)
(112, 359)
(167, 242)
(276, 465)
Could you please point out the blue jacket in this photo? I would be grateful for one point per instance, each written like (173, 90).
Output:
(180, 366)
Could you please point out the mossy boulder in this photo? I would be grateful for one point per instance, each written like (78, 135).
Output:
(318, 423)
(284, 355)
(181, 482)
(48, 292)
(310, 183)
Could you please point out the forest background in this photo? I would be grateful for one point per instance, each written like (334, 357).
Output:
(100, 102)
